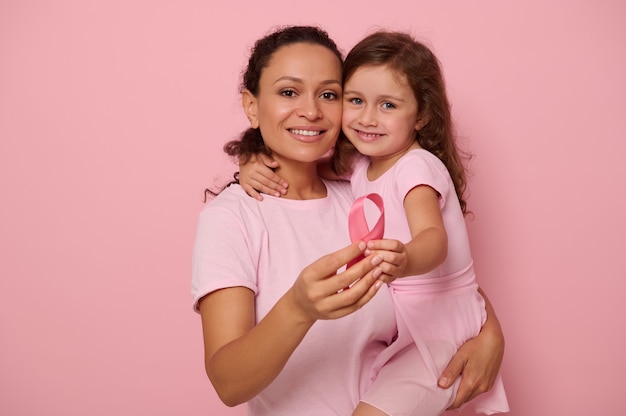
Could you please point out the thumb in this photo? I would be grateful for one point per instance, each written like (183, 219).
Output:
(452, 372)
(330, 263)
(268, 161)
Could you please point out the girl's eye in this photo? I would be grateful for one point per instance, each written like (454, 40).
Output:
(388, 106)
(329, 95)
(356, 101)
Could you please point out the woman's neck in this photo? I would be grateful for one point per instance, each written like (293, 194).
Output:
(304, 181)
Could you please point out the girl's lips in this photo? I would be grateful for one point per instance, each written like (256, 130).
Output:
(368, 137)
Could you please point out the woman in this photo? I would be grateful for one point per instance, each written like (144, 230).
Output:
(281, 336)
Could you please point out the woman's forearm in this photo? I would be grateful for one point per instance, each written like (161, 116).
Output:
(241, 368)
(492, 324)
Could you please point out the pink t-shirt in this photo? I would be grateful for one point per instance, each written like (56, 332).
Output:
(437, 311)
(418, 167)
(264, 246)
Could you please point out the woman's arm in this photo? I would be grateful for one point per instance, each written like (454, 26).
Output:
(241, 359)
(477, 361)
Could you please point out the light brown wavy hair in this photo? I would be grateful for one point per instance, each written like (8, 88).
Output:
(415, 62)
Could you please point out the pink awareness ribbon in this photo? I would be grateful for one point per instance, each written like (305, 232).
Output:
(357, 223)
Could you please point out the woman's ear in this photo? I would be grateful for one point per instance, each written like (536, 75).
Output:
(250, 107)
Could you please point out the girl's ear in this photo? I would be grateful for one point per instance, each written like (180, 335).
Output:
(422, 120)
(250, 107)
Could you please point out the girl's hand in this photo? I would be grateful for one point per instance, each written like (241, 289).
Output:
(319, 293)
(257, 176)
(394, 255)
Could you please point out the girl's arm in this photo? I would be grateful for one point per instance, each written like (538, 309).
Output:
(428, 247)
(478, 360)
(257, 176)
(242, 358)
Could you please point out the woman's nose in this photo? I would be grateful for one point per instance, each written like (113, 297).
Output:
(309, 108)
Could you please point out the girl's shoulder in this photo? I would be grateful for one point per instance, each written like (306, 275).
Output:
(423, 159)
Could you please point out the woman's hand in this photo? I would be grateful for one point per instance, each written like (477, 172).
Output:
(321, 293)
(257, 176)
(242, 358)
(394, 257)
(478, 361)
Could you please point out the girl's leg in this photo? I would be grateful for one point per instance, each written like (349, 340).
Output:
(364, 409)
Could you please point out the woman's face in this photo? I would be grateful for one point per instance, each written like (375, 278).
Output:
(298, 107)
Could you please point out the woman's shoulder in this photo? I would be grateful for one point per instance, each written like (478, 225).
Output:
(232, 199)
(338, 188)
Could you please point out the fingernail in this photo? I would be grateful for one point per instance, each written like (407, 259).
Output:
(443, 381)
(378, 284)
(367, 252)
(377, 260)
(377, 273)
(361, 246)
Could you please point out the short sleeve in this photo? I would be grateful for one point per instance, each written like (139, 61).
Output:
(422, 168)
(221, 254)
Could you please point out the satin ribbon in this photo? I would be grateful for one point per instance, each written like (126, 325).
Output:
(357, 223)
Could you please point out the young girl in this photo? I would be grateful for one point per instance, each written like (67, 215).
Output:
(396, 113)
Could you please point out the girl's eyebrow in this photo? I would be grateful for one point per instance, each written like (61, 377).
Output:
(378, 98)
(300, 81)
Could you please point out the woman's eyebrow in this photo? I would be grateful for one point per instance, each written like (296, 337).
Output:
(300, 81)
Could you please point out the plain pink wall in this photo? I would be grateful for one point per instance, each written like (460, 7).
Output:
(112, 118)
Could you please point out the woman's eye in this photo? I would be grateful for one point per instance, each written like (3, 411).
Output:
(288, 93)
(328, 95)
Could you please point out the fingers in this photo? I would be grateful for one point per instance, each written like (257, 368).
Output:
(467, 391)
(330, 263)
(449, 375)
(473, 382)
(274, 181)
(260, 185)
(267, 161)
(394, 255)
(257, 176)
(251, 191)
(325, 292)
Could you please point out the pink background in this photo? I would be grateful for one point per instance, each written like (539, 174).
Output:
(112, 119)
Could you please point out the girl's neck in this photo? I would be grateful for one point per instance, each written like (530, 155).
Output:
(304, 181)
(381, 164)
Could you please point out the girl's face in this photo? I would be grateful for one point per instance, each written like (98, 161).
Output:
(380, 113)
(298, 107)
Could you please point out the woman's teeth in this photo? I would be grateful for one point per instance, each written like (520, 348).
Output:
(305, 132)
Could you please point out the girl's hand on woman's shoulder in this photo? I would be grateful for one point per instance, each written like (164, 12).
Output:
(257, 176)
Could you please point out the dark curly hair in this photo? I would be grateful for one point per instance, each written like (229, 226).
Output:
(251, 142)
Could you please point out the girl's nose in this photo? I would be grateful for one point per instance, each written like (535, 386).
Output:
(367, 116)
